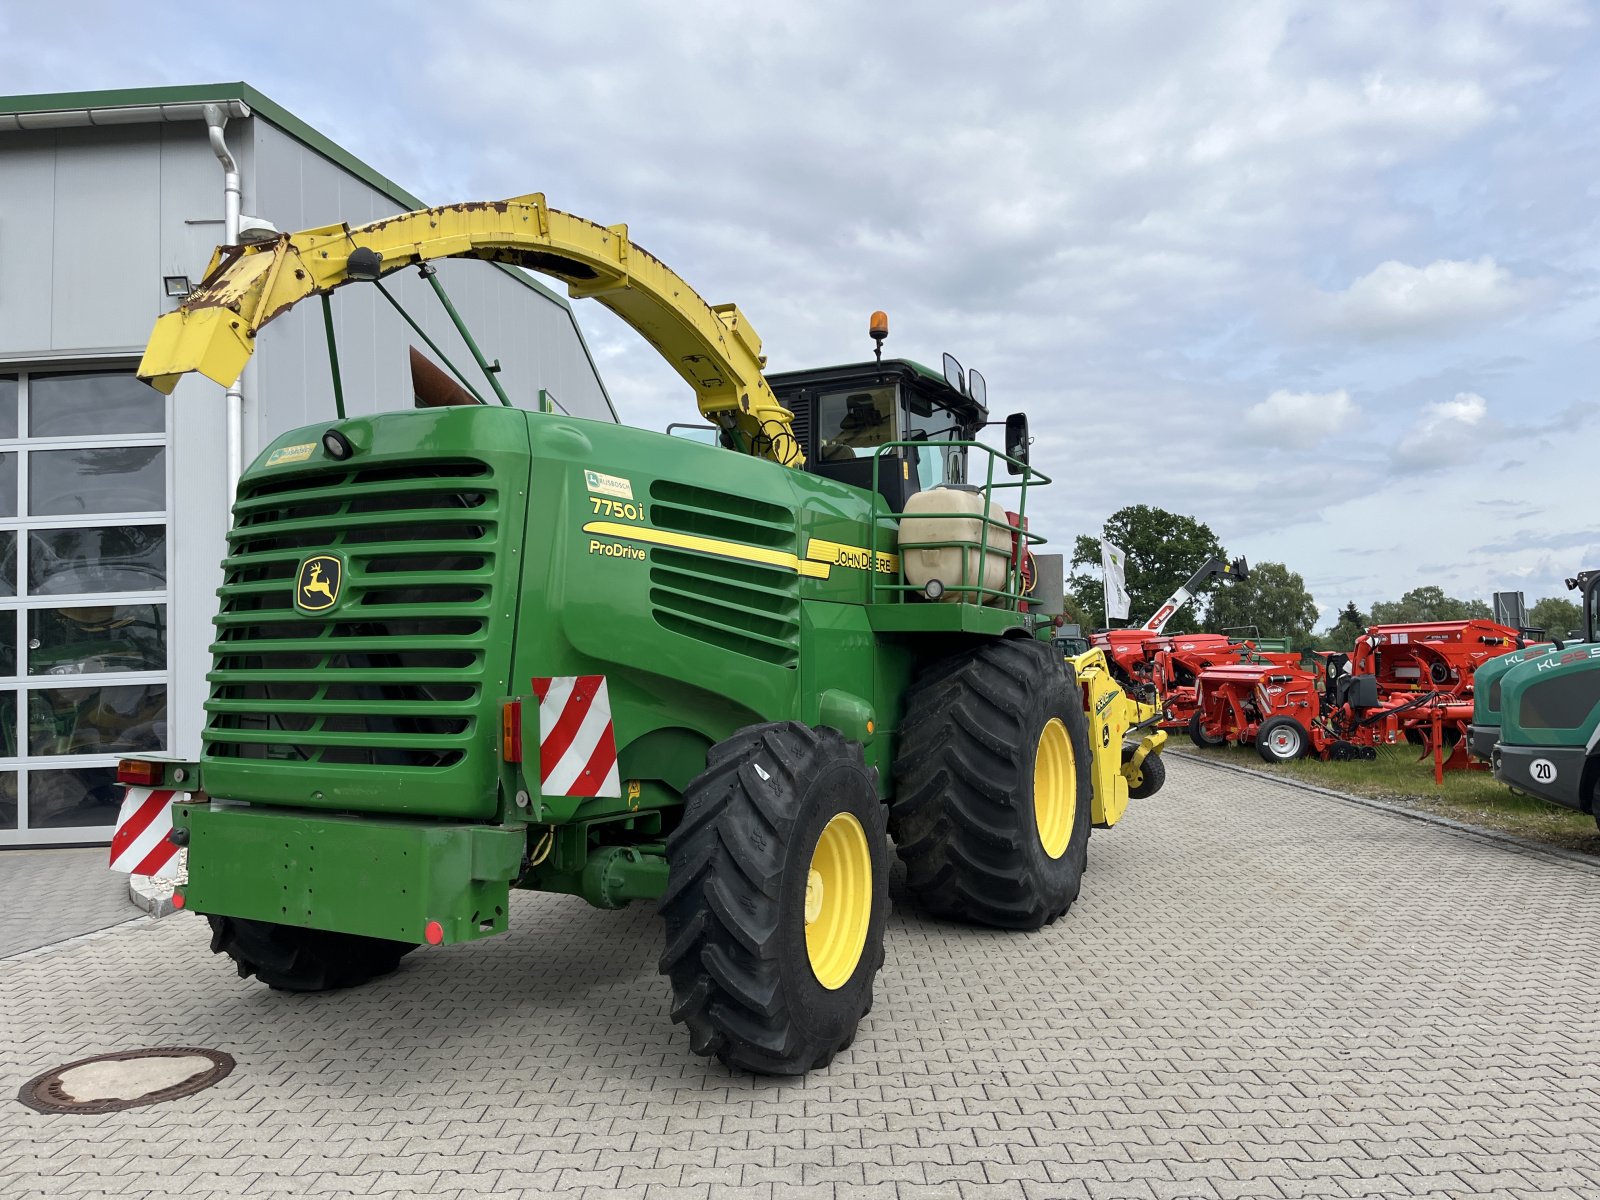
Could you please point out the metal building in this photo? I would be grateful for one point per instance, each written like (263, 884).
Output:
(113, 498)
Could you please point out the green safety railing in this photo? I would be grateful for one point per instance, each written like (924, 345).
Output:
(1012, 593)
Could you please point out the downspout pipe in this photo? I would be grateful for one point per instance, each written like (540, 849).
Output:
(216, 122)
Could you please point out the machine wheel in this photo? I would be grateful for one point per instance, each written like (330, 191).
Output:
(291, 959)
(993, 789)
(1153, 774)
(777, 895)
(1198, 735)
(1281, 739)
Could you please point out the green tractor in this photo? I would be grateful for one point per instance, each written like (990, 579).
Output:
(472, 647)
(1548, 705)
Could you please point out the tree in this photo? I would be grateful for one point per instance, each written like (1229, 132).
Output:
(1163, 550)
(1557, 617)
(1342, 635)
(1427, 604)
(1073, 612)
(1272, 598)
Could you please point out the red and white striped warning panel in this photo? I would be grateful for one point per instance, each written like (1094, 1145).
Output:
(577, 744)
(140, 845)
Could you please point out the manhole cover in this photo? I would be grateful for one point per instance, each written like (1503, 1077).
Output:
(112, 1082)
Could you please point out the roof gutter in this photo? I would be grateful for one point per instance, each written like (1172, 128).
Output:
(121, 114)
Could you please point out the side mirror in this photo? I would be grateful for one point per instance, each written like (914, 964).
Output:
(1017, 442)
(977, 388)
(954, 375)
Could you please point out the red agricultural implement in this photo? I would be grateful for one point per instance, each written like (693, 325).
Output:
(1176, 664)
(1131, 651)
(1440, 656)
(1404, 683)
(1164, 669)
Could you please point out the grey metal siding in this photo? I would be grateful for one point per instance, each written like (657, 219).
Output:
(27, 216)
(90, 221)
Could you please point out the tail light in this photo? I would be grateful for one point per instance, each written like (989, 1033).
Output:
(511, 731)
(139, 772)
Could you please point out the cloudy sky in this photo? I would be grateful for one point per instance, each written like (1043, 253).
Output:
(1322, 275)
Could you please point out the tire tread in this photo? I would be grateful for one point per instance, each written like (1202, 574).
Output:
(963, 777)
(723, 900)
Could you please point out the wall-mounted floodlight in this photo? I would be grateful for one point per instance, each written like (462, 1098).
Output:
(177, 286)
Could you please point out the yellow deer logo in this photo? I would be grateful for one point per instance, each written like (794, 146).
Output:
(318, 585)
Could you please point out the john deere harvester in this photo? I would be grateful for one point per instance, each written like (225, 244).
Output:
(470, 648)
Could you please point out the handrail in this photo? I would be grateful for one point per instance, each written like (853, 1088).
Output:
(1013, 594)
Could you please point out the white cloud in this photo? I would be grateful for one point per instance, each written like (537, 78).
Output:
(1300, 420)
(1447, 434)
(1395, 299)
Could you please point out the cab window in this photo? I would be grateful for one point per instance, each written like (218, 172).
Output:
(851, 423)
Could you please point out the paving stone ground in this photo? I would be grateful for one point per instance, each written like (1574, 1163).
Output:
(48, 896)
(1262, 992)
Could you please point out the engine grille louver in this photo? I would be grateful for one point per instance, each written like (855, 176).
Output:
(748, 608)
(393, 676)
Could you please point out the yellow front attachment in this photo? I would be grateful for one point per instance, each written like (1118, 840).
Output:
(1055, 788)
(838, 901)
(1110, 711)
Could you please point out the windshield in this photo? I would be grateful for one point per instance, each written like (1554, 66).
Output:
(852, 422)
(927, 421)
(1591, 624)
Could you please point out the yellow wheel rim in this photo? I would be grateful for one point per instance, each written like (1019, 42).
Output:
(1055, 788)
(838, 901)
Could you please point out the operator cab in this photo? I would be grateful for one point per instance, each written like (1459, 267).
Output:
(843, 414)
(1588, 583)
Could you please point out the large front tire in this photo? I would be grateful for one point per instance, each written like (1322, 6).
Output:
(290, 959)
(993, 791)
(777, 895)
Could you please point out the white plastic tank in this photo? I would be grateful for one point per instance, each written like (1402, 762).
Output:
(954, 566)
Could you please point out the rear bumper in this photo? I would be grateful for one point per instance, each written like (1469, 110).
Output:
(1481, 740)
(1557, 780)
(380, 877)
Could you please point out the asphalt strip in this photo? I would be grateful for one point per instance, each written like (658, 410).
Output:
(1569, 858)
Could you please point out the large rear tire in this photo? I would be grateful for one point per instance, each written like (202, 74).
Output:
(993, 789)
(777, 895)
(290, 959)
